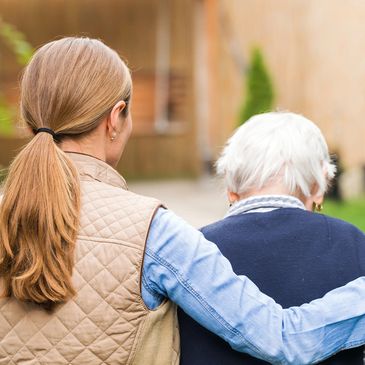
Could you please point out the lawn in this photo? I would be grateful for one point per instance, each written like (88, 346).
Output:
(350, 211)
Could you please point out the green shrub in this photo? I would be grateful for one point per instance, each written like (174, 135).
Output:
(259, 88)
(23, 52)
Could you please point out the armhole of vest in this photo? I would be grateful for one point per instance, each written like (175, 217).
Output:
(157, 207)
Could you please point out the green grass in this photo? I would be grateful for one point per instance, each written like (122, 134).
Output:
(351, 211)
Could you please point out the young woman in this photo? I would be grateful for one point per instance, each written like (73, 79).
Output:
(90, 271)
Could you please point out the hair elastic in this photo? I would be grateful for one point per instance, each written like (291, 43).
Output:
(46, 130)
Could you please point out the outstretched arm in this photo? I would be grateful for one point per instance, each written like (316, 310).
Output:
(333, 323)
(182, 265)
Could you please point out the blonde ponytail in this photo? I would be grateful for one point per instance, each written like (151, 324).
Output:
(39, 220)
(68, 87)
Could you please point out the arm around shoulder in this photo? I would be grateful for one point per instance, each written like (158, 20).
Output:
(182, 265)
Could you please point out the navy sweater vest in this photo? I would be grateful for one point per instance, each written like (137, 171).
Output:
(292, 255)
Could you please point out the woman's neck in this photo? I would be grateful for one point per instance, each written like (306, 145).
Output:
(87, 146)
(278, 189)
(268, 190)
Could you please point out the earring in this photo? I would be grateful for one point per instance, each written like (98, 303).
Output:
(112, 138)
(317, 207)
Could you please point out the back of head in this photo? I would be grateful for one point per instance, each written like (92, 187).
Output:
(276, 148)
(69, 86)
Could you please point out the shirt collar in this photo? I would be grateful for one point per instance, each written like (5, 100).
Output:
(90, 167)
(264, 203)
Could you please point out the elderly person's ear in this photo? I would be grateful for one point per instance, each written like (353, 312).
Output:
(232, 197)
(315, 201)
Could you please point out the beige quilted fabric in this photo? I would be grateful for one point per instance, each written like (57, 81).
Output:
(107, 322)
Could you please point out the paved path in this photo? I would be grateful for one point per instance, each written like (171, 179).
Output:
(199, 202)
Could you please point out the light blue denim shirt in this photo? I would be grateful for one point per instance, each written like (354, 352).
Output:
(180, 264)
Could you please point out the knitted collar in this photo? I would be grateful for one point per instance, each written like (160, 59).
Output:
(264, 203)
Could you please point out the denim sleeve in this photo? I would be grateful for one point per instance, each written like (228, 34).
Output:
(180, 264)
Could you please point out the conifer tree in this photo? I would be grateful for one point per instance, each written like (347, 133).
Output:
(259, 89)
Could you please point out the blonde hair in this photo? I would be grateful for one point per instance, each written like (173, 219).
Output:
(69, 86)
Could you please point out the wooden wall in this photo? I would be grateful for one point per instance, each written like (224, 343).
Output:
(314, 50)
(129, 26)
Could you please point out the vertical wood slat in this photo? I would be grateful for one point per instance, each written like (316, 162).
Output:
(129, 27)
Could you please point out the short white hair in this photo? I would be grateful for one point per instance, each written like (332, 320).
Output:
(276, 147)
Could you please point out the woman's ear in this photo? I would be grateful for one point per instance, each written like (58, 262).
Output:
(317, 196)
(315, 199)
(113, 120)
(232, 197)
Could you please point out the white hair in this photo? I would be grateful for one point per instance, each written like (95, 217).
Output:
(276, 147)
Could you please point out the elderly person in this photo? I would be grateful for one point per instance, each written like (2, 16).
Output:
(90, 272)
(276, 168)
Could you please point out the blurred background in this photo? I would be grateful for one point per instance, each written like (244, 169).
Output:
(200, 69)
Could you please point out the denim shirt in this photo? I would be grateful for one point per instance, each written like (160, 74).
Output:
(180, 264)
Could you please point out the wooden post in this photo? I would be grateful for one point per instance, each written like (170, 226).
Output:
(205, 77)
(162, 66)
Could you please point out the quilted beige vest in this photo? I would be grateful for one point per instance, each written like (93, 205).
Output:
(107, 321)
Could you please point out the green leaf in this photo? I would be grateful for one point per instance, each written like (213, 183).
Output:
(23, 52)
(17, 42)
